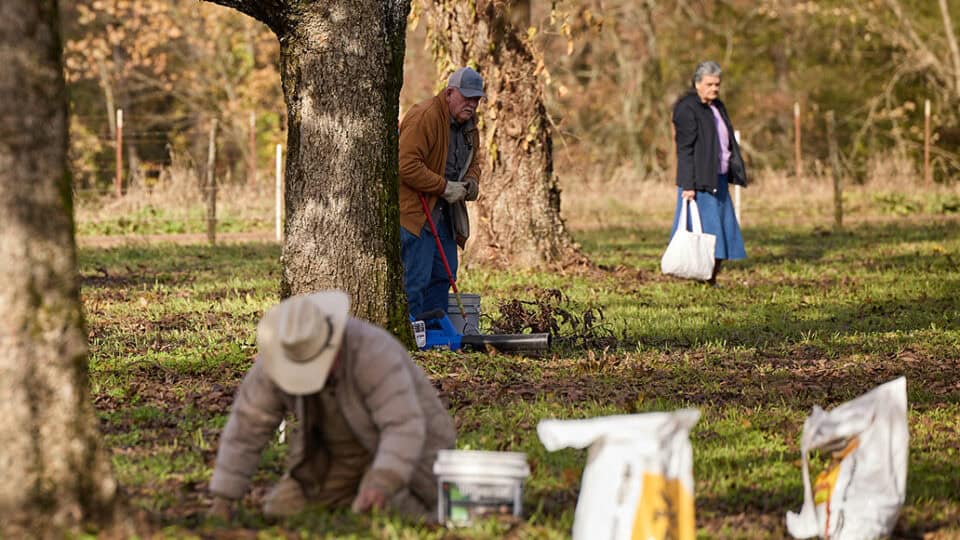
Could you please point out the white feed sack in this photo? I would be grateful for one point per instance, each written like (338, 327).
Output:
(638, 480)
(859, 493)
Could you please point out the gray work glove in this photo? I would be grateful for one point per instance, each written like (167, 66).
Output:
(454, 192)
(473, 189)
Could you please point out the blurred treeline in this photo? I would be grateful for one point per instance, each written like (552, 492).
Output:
(172, 66)
(611, 71)
(616, 67)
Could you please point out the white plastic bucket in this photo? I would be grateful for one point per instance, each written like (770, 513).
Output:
(467, 322)
(475, 484)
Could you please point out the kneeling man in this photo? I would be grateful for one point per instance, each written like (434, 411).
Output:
(369, 423)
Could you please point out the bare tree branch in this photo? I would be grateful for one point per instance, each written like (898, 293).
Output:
(269, 12)
(952, 40)
(923, 53)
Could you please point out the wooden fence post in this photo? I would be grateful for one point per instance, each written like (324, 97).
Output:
(927, 173)
(118, 181)
(212, 185)
(797, 155)
(835, 166)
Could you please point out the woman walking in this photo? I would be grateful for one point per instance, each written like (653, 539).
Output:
(708, 160)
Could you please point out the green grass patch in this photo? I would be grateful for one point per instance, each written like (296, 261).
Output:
(812, 317)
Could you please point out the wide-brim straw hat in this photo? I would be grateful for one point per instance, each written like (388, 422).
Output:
(299, 338)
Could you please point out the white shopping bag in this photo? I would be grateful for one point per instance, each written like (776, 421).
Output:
(690, 254)
(638, 480)
(858, 496)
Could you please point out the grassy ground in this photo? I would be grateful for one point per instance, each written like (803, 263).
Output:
(812, 317)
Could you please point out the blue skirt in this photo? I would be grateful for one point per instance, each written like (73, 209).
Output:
(718, 218)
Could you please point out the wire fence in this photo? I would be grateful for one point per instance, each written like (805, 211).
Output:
(183, 194)
(178, 195)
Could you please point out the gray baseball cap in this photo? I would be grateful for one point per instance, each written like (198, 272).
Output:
(468, 81)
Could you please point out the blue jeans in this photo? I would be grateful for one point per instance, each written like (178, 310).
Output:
(424, 277)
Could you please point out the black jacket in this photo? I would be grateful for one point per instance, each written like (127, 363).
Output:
(698, 147)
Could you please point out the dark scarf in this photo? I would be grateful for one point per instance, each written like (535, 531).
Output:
(312, 470)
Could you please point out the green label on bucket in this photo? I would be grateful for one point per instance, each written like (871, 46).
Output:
(468, 500)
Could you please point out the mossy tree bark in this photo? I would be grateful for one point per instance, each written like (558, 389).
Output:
(54, 475)
(516, 221)
(341, 69)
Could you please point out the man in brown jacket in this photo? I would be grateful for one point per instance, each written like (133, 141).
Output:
(439, 158)
(373, 422)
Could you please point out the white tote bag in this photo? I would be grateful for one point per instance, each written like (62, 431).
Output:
(690, 254)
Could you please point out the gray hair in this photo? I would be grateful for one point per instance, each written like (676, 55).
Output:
(708, 67)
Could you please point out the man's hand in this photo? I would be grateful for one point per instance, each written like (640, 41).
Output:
(369, 498)
(689, 195)
(473, 189)
(454, 192)
(221, 508)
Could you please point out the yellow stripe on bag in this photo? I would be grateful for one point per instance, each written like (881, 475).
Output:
(826, 480)
(665, 510)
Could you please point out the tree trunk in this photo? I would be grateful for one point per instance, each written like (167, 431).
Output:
(54, 476)
(516, 221)
(342, 69)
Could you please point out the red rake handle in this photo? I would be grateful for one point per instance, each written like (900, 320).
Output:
(436, 238)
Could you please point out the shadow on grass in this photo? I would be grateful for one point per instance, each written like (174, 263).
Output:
(776, 324)
(865, 281)
(776, 245)
(171, 264)
(930, 478)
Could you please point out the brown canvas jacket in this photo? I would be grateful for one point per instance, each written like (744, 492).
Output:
(424, 137)
(390, 405)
